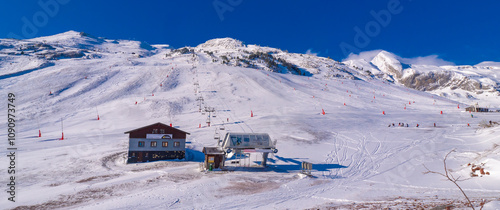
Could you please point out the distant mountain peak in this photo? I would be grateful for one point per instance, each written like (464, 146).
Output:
(388, 63)
(226, 43)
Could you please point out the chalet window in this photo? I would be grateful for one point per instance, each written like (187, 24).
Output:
(141, 143)
(146, 154)
(133, 154)
(177, 144)
(164, 144)
(162, 131)
(155, 131)
(153, 144)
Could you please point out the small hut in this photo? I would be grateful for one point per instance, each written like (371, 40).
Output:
(476, 108)
(214, 157)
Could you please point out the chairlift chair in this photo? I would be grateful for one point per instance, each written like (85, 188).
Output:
(217, 137)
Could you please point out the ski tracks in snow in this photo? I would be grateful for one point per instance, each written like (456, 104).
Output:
(360, 161)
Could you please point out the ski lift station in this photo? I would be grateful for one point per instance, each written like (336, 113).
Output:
(239, 144)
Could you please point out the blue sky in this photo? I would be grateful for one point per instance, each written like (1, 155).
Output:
(463, 32)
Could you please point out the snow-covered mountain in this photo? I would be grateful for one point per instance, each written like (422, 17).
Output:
(431, 74)
(463, 83)
(329, 113)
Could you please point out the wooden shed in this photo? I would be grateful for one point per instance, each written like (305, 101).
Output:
(156, 142)
(213, 156)
(476, 108)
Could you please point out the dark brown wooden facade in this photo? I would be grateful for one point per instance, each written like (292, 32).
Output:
(141, 132)
(165, 143)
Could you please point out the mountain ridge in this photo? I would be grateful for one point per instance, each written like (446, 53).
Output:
(430, 74)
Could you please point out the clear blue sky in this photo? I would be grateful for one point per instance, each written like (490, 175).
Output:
(463, 32)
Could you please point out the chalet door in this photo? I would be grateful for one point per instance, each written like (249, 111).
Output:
(139, 157)
(217, 161)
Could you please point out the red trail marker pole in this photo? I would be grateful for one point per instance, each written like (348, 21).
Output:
(62, 130)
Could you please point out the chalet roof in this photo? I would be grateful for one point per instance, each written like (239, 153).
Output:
(157, 124)
(213, 150)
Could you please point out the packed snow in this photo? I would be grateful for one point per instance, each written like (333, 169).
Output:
(360, 159)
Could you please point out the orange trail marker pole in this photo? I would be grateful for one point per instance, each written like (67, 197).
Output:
(39, 133)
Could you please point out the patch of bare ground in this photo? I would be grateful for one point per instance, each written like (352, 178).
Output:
(319, 182)
(110, 161)
(405, 203)
(54, 184)
(247, 186)
(157, 165)
(71, 200)
(93, 194)
(98, 178)
(178, 177)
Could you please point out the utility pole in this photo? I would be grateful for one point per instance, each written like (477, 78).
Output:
(200, 101)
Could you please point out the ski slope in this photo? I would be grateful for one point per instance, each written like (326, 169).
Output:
(358, 159)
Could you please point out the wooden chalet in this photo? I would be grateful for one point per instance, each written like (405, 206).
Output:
(156, 142)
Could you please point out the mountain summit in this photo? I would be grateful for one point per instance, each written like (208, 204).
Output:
(463, 83)
(224, 43)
